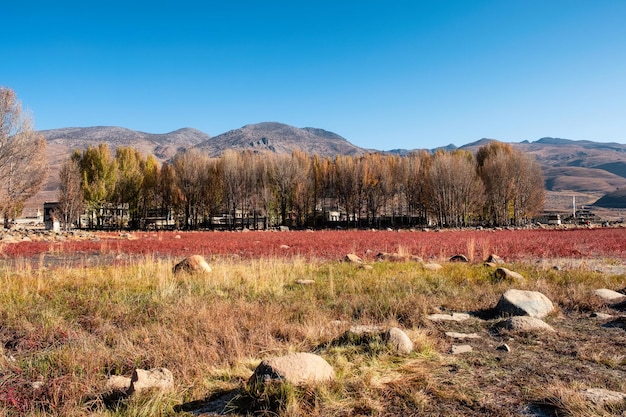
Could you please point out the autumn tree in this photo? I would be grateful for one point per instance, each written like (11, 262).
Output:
(71, 200)
(453, 189)
(514, 187)
(99, 177)
(23, 164)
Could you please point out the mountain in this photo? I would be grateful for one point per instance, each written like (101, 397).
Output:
(62, 142)
(280, 138)
(585, 169)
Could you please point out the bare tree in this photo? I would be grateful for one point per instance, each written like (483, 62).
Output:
(71, 202)
(23, 164)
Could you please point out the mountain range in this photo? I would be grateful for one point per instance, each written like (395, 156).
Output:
(585, 169)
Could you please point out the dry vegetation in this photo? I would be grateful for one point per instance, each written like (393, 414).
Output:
(70, 329)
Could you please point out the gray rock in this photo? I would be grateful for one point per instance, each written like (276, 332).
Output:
(494, 259)
(156, 378)
(459, 349)
(609, 296)
(448, 317)
(504, 347)
(524, 324)
(399, 341)
(118, 383)
(600, 396)
(432, 266)
(305, 281)
(601, 316)
(456, 335)
(352, 258)
(504, 274)
(524, 303)
(192, 264)
(283, 228)
(295, 368)
(459, 258)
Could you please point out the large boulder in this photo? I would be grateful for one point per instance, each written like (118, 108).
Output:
(609, 296)
(524, 303)
(295, 368)
(194, 263)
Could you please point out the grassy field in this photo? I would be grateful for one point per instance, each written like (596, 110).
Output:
(65, 331)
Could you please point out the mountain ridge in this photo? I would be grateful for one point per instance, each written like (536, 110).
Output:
(570, 166)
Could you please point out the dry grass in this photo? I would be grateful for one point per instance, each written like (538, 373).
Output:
(71, 328)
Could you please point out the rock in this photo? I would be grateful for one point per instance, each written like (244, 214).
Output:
(448, 317)
(156, 378)
(284, 246)
(490, 265)
(399, 341)
(194, 263)
(503, 274)
(305, 281)
(283, 228)
(459, 258)
(295, 368)
(524, 303)
(494, 259)
(118, 383)
(504, 347)
(352, 258)
(524, 324)
(601, 316)
(609, 296)
(601, 397)
(456, 335)
(367, 267)
(459, 349)
(396, 257)
(432, 267)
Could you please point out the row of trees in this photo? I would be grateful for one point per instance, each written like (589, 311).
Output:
(23, 163)
(498, 186)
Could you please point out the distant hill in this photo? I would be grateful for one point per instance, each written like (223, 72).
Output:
(280, 138)
(62, 142)
(584, 168)
(616, 199)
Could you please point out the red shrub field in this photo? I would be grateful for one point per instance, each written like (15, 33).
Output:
(328, 245)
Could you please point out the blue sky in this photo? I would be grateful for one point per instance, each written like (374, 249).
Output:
(383, 74)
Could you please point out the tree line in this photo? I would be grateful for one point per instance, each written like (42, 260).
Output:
(499, 185)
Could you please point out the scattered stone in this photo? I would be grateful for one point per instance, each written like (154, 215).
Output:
(601, 316)
(601, 397)
(503, 347)
(156, 378)
(352, 258)
(448, 317)
(194, 263)
(459, 258)
(37, 385)
(177, 237)
(557, 268)
(118, 383)
(432, 267)
(504, 274)
(283, 228)
(284, 246)
(295, 368)
(396, 257)
(367, 267)
(524, 303)
(490, 265)
(459, 349)
(305, 281)
(399, 340)
(524, 324)
(494, 259)
(456, 335)
(609, 296)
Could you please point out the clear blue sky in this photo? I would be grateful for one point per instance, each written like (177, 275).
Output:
(383, 74)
